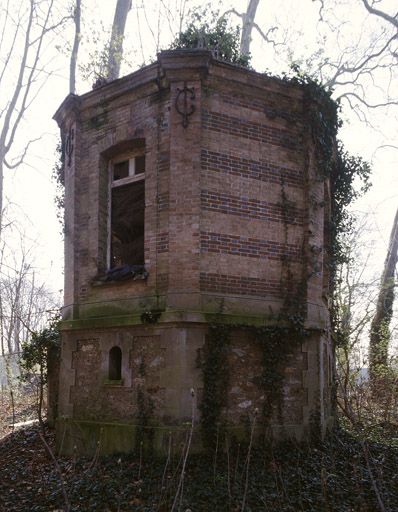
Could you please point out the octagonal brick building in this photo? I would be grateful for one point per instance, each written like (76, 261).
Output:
(192, 197)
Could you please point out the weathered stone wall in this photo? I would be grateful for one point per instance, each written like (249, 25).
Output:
(161, 366)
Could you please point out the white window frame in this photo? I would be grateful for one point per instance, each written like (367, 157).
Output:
(131, 178)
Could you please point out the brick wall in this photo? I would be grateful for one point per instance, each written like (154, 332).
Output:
(239, 183)
(234, 219)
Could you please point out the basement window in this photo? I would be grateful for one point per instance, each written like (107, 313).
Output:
(127, 210)
(115, 364)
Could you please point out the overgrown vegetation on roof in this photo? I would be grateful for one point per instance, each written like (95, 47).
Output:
(208, 31)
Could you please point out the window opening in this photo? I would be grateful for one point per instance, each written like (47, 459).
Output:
(127, 216)
(121, 170)
(115, 363)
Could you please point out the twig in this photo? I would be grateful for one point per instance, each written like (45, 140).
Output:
(140, 466)
(228, 472)
(215, 455)
(58, 469)
(181, 481)
(372, 478)
(248, 461)
(236, 464)
(119, 497)
(165, 471)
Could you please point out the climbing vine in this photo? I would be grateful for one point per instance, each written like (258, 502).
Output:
(58, 177)
(349, 175)
(34, 360)
(349, 178)
(145, 407)
(215, 369)
(276, 343)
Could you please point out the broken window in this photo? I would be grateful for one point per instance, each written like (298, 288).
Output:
(115, 363)
(127, 214)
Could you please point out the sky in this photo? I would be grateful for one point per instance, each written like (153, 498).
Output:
(296, 23)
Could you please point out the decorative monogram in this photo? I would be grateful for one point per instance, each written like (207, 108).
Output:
(69, 146)
(185, 103)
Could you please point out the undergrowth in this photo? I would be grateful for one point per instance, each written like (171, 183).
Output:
(336, 475)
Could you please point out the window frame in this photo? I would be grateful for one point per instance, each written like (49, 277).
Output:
(112, 183)
(115, 364)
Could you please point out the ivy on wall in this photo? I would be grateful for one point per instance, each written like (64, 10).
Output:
(215, 369)
(349, 178)
(145, 407)
(58, 177)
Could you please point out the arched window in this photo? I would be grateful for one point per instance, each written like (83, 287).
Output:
(115, 363)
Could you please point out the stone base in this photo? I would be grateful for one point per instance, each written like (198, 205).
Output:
(89, 438)
(160, 365)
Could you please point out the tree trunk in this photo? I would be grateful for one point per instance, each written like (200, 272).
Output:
(40, 399)
(1, 192)
(247, 26)
(116, 42)
(75, 49)
(379, 335)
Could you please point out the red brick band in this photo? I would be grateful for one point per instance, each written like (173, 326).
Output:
(276, 105)
(239, 285)
(162, 242)
(249, 130)
(253, 169)
(250, 208)
(221, 243)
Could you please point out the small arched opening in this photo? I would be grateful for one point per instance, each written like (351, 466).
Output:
(115, 363)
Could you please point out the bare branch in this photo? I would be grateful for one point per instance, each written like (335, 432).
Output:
(19, 85)
(233, 11)
(140, 37)
(265, 35)
(381, 14)
(341, 69)
(149, 25)
(21, 158)
(46, 30)
(364, 102)
(12, 46)
(321, 8)
(29, 80)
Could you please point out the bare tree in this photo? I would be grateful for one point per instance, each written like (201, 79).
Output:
(248, 23)
(116, 42)
(24, 28)
(25, 305)
(247, 26)
(354, 66)
(355, 295)
(75, 49)
(363, 67)
(379, 331)
(364, 405)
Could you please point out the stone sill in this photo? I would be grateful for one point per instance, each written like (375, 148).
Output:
(123, 274)
(96, 283)
(113, 383)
